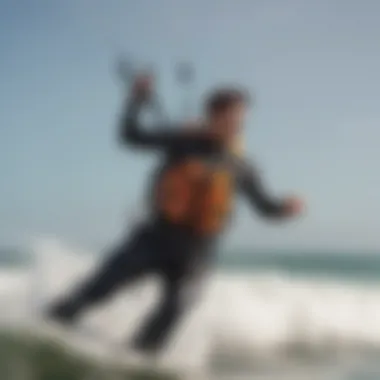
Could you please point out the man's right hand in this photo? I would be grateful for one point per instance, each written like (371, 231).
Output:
(142, 87)
(294, 206)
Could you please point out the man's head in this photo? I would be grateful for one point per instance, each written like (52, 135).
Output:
(226, 110)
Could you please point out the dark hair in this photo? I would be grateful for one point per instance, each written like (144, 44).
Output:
(221, 99)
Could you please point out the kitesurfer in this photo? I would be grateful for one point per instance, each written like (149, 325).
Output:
(191, 201)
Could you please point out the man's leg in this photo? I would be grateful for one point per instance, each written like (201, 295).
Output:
(128, 261)
(180, 292)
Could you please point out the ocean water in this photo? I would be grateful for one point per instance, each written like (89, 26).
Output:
(276, 316)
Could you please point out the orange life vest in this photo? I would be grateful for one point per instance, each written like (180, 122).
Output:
(196, 195)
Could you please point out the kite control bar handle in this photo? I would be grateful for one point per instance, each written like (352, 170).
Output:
(127, 70)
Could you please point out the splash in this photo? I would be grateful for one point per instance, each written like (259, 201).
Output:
(249, 319)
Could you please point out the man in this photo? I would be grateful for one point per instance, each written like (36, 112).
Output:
(191, 200)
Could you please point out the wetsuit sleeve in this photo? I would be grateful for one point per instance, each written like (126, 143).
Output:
(250, 185)
(160, 136)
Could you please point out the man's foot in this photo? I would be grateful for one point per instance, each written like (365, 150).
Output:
(63, 313)
(149, 350)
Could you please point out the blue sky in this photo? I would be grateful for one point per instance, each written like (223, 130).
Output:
(314, 66)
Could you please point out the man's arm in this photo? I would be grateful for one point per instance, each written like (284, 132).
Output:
(131, 131)
(251, 186)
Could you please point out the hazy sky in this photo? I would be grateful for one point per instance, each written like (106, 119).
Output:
(314, 66)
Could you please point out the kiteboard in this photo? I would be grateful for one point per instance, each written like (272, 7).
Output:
(92, 345)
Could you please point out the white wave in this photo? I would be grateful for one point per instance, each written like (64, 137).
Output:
(239, 314)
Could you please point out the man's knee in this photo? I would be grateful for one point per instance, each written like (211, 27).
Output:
(109, 276)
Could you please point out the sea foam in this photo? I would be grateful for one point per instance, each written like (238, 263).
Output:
(266, 315)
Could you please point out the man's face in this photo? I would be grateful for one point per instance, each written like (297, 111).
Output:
(230, 121)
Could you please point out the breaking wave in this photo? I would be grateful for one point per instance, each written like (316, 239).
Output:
(242, 318)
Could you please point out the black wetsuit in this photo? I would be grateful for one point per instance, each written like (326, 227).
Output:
(178, 255)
